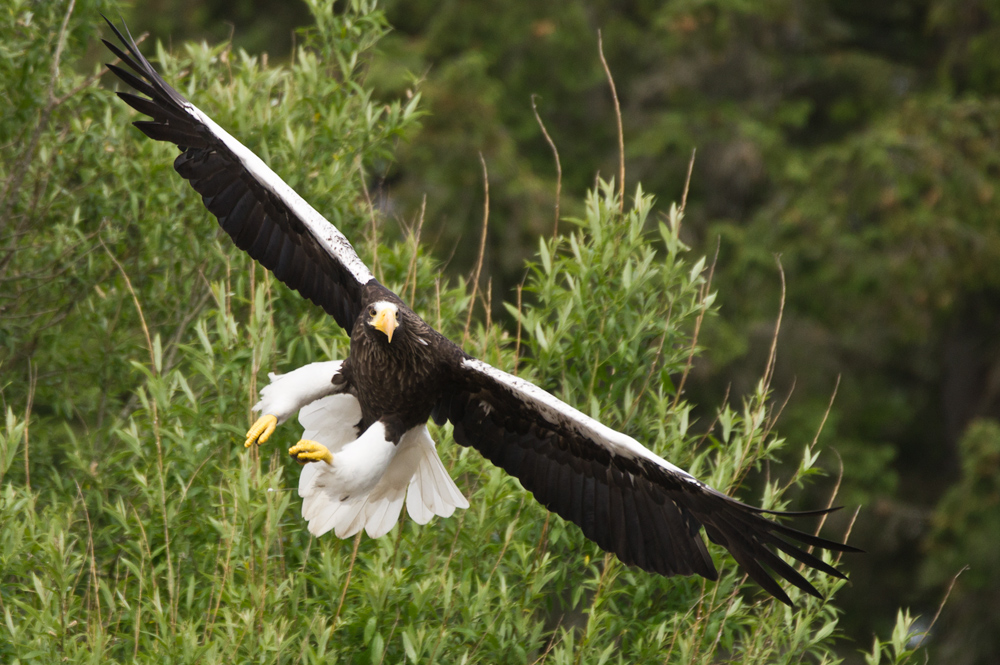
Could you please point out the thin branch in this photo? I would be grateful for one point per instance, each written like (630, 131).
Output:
(488, 306)
(95, 76)
(482, 249)
(32, 384)
(847, 533)
(392, 631)
(444, 573)
(552, 642)
(833, 496)
(618, 117)
(193, 310)
(138, 307)
(142, 577)
(773, 354)
(697, 326)
(347, 581)
(772, 420)
(517, 339)
(652, 367)
(214, 612)
(687, 181)
(506, 543)
(674, 633)
(702, 614)
(371, 213)
(437, 301)
(826, 414)
(722, 624)
(555, 152)
(122, 585)
(937, 614)
(411, 270)
(156, 435)
(819, 430)
(715, 421)
(766, 380)
(609, 567)
(255, 357)
(174, 343)
(93, 564)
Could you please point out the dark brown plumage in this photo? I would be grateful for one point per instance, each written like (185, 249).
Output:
(401, 372)
(420, 360)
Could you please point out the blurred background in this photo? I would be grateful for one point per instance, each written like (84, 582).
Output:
(859, 141)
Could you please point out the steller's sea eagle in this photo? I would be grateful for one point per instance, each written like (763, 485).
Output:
(365, 417)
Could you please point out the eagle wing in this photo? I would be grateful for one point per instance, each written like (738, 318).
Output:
(263, 215)
(624, 497)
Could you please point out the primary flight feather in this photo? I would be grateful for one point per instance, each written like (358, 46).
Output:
(366, 444)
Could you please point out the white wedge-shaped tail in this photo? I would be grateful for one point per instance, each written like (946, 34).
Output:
(370, 478)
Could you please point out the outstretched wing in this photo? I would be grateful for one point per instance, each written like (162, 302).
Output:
(262, 214)
(624, 497)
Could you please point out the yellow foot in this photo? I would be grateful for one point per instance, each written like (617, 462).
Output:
(310, 451)
(261, 430)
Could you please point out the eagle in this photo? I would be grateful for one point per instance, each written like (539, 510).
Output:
(366, 447)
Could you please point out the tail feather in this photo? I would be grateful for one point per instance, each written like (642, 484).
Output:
(426, 484)
(414, 475)
(450, 495)
(352, 518)
(384, 514)
(432, 491)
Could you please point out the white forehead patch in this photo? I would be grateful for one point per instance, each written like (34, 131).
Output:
(382, 304)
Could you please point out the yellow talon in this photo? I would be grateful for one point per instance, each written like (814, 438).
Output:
(310, 451)
(261, 430)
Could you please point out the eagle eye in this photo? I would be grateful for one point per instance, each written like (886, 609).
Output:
(371, 312)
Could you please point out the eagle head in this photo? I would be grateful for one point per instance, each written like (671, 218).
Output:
(384, 317)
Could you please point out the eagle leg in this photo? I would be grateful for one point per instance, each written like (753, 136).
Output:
(310, 451)
(261, 430)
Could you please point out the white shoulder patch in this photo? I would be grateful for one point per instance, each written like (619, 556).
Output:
(556, 411)
(287, 393)
(326, 233)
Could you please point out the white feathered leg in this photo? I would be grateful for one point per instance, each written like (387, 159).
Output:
(287, 393)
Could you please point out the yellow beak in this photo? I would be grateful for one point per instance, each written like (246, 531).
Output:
(386, 322)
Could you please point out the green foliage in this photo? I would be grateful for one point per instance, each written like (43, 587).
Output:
(962, 543)
(857, 140)
(136, 529)
(967, 520)
(901, 647)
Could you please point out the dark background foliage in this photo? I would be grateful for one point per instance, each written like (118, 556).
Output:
(858, 141)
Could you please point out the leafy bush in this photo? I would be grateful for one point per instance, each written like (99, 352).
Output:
(136, 529)
(962, 545)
